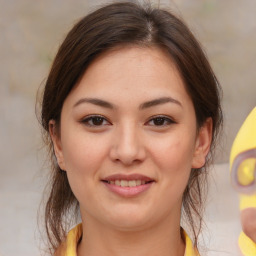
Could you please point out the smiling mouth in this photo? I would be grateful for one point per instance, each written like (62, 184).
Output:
(131, 185)
(127, 183)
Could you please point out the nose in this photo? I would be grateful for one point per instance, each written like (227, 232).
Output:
(127, 146)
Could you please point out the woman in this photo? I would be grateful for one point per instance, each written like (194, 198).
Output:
(132, 109)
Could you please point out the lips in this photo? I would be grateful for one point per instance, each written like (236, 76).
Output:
(131, 180)
(128, 185)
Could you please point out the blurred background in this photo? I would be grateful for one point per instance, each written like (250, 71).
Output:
(31, 32)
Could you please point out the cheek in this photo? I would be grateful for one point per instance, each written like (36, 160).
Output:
(174, 160)
(83, 157)
(83, 154)
(175, 153)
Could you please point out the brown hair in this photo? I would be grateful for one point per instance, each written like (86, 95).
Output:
(115, 25)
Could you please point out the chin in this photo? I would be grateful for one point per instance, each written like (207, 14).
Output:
(131, 220)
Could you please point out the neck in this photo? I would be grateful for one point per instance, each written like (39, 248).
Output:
(163, 239)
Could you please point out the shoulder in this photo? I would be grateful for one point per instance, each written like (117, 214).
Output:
(190, 249)
(69, 246)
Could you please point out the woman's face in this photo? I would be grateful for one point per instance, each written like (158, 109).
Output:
(128, 139)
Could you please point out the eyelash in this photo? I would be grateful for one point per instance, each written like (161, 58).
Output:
(93, 119)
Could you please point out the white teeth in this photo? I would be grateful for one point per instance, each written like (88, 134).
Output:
(117, 183)
(132, 183)
(138, 182)
(126, 183)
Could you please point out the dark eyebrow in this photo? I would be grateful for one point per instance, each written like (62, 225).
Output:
(98, 102)
(148, 104)
(159, 101)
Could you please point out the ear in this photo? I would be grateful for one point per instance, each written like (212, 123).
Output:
(203, 144)
(55, 136)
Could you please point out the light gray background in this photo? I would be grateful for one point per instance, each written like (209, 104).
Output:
(31, 32)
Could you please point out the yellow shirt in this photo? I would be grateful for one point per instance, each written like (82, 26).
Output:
(69, 248)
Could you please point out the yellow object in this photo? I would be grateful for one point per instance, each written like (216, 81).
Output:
(243, 159)
(243, 171)
(247, 246)
(246, 171)
(247, 201)
(69, 248)
(246, 137)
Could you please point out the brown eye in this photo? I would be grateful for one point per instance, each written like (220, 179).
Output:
(95, 121)
(160, 121)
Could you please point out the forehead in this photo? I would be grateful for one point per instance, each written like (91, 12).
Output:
(134, 72)
(136, 59)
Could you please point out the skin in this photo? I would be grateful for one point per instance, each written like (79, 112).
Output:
(130, 140)
(248, 220)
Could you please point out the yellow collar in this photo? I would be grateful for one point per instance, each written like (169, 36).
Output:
(70, 246)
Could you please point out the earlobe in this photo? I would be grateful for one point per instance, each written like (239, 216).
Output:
(55, 137)
(203, 144)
